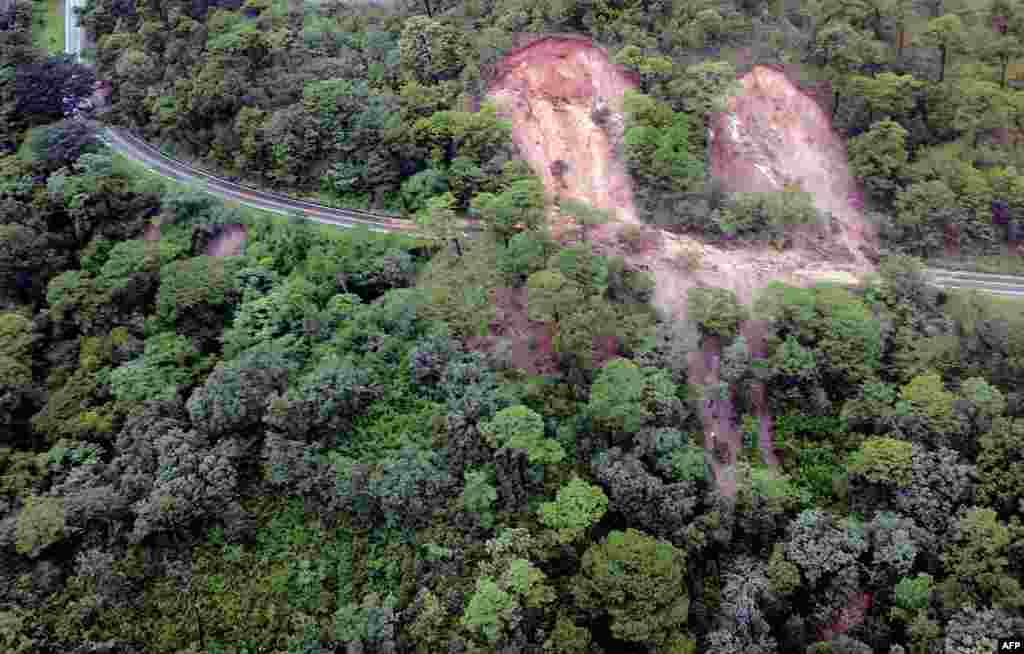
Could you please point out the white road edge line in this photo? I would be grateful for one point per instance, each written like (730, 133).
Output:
(222, 196)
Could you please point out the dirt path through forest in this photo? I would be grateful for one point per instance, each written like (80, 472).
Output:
(754, 332)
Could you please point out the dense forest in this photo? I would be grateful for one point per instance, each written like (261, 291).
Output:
(321, 444)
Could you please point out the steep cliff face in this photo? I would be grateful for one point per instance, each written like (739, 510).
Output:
(552, 90)
(773, 135)
(564, 99)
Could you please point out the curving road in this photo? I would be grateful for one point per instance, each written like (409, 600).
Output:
(136, 149)
(132, 147)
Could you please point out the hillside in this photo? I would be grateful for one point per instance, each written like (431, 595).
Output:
(632, 414)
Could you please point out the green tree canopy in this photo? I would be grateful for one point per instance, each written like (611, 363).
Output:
(551, 296)
(430, 50)
(577, 507)
(883, 460)
(976, 561)
(946, 33)
(1001, 466)
(639, 582)
(715, 311)
(439, 222)
(519, 207)
(879, 157)
(617, 397)
(520, 428)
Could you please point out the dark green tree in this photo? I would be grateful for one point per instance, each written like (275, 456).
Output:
(715, 311)
(639, 582)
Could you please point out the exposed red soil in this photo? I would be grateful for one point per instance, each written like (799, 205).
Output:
(717, 416)
(848, 617)
(754, 332)
(773, 134)
(228, 242)
(721, 424)
(550, 89)
(152, 231)
(529, 343)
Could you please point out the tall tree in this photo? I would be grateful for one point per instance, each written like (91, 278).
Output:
(843, 49)
(40, 88)
(520, 428)
(439, 221)
(946, 33)
(976, 559)
(551, 297)
(520, 207)
(430, 50)
(887, 95)
(585, 215)
(89, 189)
(1006, 17)
(577, 507)
(715, 311)
(879, 158)
(639, 582)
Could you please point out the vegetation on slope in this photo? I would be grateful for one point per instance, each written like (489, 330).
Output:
(346, 441)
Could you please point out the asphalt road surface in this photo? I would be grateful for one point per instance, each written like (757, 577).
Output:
(1007, 285)
(72, 31)
(138, 150)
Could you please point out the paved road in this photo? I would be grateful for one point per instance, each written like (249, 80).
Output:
(135, 148)
(1007, 285)
(72, 31)
(132, 147)
(138, 150)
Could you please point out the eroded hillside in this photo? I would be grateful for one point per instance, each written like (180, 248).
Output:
(551, 90)
(775, 135)
(772, 134)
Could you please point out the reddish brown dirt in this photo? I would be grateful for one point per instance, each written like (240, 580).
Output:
(152, 232)
(228, 242)
(773, 134)
(529, 343)
(754, 332)
(549, 89)
(717, 416)
(848, 617)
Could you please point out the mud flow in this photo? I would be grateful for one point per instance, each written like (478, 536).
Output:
(565, 98)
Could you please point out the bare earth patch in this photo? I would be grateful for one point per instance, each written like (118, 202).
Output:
(550, 89)
(152, 231)
(228, 242)
(526, 344)
(773, 134)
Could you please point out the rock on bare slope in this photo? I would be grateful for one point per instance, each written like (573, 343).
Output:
(772, 134)
(550, 89)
